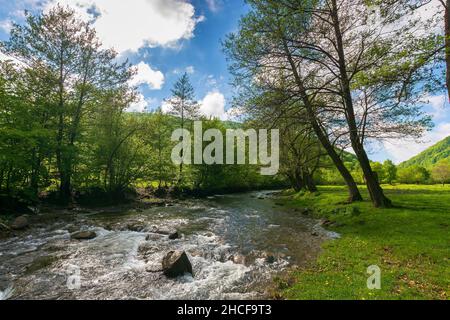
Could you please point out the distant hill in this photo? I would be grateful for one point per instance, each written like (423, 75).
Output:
(429, 157)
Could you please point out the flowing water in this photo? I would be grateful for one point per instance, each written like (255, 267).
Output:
(236, 244)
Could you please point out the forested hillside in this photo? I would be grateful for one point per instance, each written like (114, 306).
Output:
(431, 156)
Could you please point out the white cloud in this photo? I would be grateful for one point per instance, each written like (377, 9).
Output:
(5, 25)
(404, 149)
(166, 107)
(5, 57)
(140, 105)
(213, 105)
(211, 81)
(129, 26)
(146, 75)
(190, 69)
(214, 5)
(438, 106)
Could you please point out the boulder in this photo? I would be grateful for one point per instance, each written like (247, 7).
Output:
(83, 235)
(164, 231)
(20, 223)
(175, 235)
(270, 259)
(176, 263)
(136, 226)
(237, 259)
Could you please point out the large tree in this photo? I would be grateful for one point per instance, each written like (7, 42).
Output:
(182, 104)
(261, 58)
(357, 80)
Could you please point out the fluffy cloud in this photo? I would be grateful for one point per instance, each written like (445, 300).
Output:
(166, 107)
(141, 105)
(438, 106)
(190, 69)
(214, 5)
(146, 75)
(5, 25)
(213, 105)
(404, 149)
(128, 27)
(5, 57)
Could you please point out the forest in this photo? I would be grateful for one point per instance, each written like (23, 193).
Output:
(65, 130)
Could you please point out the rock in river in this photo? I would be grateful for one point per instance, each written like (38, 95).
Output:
(175, 235)
(176, 263)
(83, 235)
(20, 223)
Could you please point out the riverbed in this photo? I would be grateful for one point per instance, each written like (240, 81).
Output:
(236, 244)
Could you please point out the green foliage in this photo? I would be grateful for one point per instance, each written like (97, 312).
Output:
(64, 125)
(431, 156)
(389, 172)
(413, 175)
(441, 171)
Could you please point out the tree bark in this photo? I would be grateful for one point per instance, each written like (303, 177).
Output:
(354, 194)
(447, 43)
(376, 192)
(310, 184)
(296, 181)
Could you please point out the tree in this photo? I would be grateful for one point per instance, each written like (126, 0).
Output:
(441, 171)
(70, 50)
(357, 80)
(114, 149)
(389, 171)
(413, 175)
(378, 170)
(183, 105)
(259, 51)
(160, 128)
(26, 129)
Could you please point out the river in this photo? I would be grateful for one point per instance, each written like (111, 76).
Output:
(236, 244)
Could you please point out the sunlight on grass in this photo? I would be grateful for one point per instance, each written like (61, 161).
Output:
(410, 243)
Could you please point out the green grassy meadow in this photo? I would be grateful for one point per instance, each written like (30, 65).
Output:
(410, 243)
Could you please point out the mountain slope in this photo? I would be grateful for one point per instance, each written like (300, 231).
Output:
(429, 157)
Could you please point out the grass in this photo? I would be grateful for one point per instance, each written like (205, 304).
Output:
(410, 243)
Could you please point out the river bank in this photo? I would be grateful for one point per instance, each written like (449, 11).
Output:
(410, 243)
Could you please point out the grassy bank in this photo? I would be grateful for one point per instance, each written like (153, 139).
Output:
(410, 243)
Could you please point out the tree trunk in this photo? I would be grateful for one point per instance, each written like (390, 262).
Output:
(310, 184)
(34, 180)
(374, 188)
(354, 194)
(296, 181)
(377, 196)
(447, 44)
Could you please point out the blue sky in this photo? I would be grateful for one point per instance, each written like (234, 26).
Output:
(165, 38)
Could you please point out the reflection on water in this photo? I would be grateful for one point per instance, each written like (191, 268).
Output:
(236, 243)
